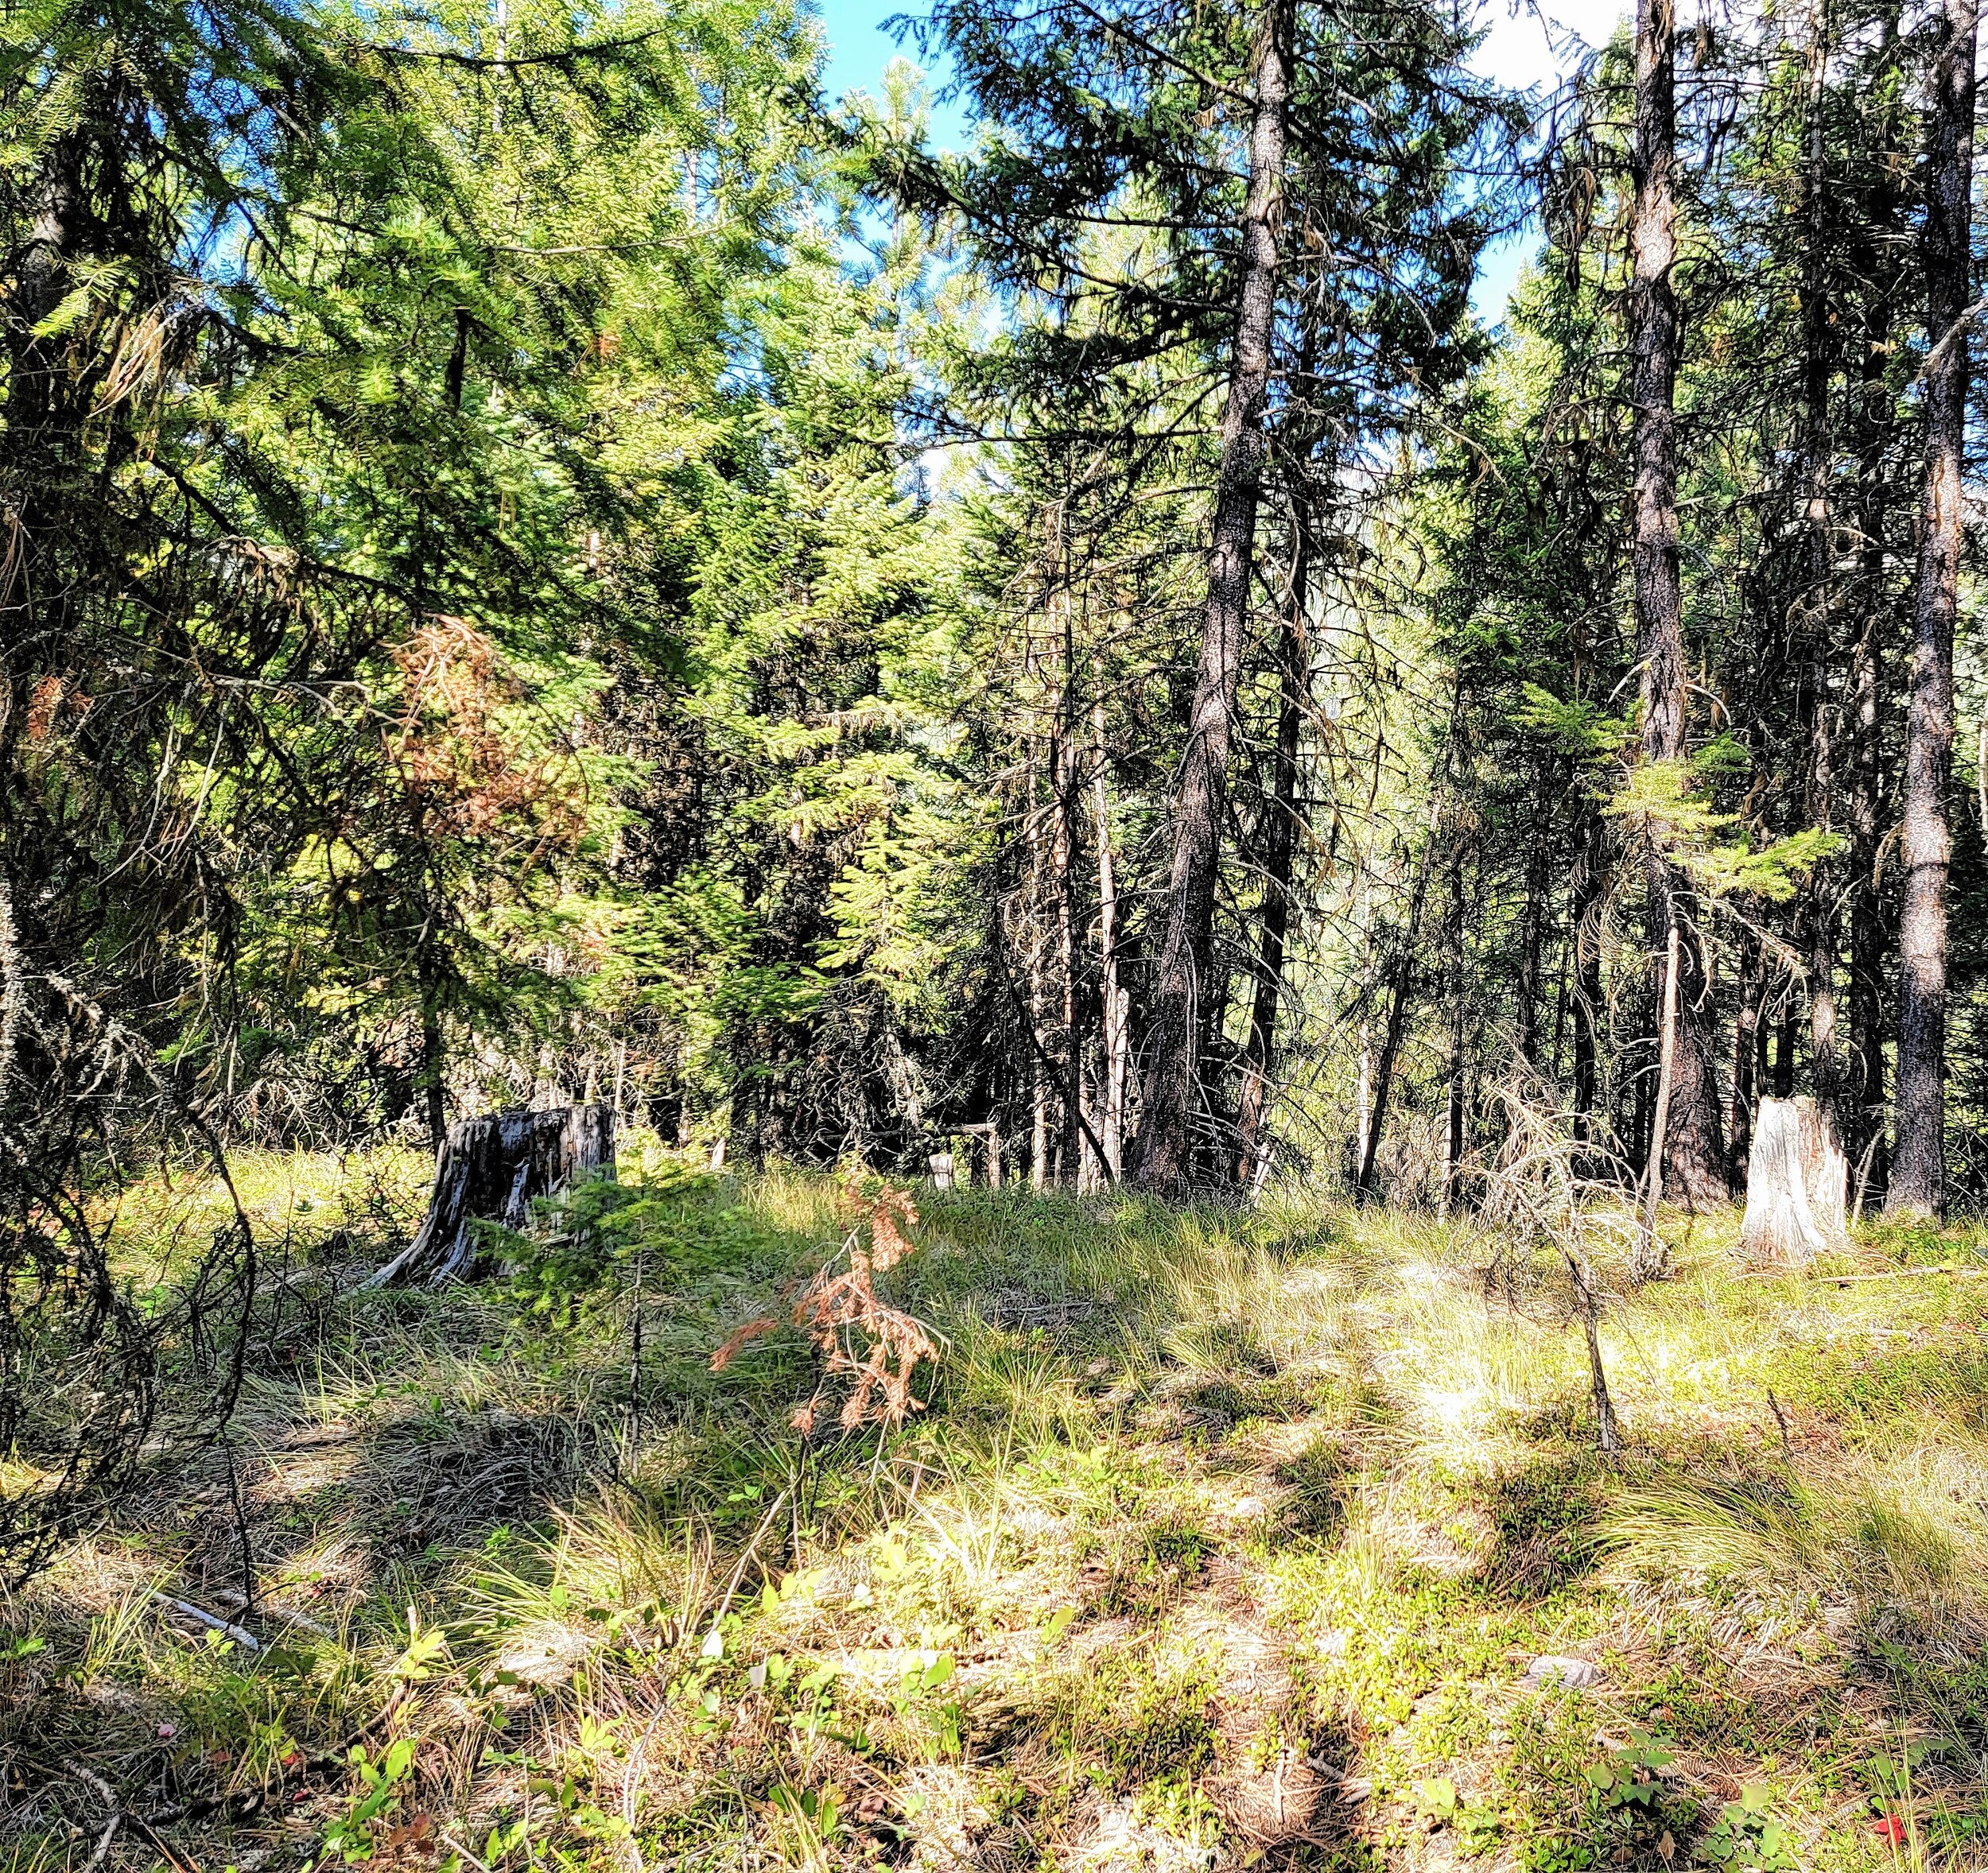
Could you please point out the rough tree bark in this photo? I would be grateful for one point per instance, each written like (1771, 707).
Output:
(1280, 843)
(1114, 1008)
(1746, 1050)
(1864, 1101)
(1078, 1160)
(1539, 855)
(1457, 986)
(1796, 1178)
(1692, 1149)
(1918, 1185)
(1878, 263)
(489, 1169)
(1039, 1135)
(1820, 890)
(1185, 952)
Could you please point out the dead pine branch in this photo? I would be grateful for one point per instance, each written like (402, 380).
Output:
(860, 1337)
(114, 1812)
(1549, 1187)
(1608, 1432)
(213, 1622)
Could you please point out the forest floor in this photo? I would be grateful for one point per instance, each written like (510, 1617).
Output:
(1227, 1539)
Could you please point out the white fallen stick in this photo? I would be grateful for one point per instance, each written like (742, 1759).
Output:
(241, 1634)
(269, 1610)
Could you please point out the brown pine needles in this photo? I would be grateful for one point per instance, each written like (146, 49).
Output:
(860, 1337)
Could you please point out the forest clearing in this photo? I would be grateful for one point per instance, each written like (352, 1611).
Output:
(1224, 1538)
(1075, 966)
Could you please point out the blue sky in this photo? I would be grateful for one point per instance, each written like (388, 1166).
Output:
(1518, 50)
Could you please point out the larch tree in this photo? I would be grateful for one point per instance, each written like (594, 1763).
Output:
(1918, 1184)
(1688, 1145)
(1181, 983)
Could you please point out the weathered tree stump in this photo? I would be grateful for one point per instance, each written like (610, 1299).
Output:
(490, 1169)
(1796, 1179)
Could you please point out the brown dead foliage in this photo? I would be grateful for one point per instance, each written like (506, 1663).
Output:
(447, 743)
(860, 1337)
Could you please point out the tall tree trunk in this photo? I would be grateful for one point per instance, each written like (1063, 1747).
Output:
(1918, 1185)
(1186, 950)
(1457, 979)
(43, 420)
(1863, 1102)
(1457, 1104)
(1692, 1150)
(1746, 1029)
(1039, 1085)
(1877, 265)
(1819, 891)
(1080, 1162)
(434, 1076)
(1279, 849)
(1538, 860)
(1115, 1008)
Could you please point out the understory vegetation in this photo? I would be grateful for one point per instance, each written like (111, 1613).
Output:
(884, 977)
(1222, 1535)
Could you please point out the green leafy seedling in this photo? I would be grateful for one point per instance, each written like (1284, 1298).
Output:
(1629, 1777)
(1747, 1839)
(1437, 1799)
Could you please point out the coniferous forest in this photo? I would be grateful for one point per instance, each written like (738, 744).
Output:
(868, 1005)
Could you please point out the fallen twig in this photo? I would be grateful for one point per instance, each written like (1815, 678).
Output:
(110, 1803)
(449, 1840)
(241, 1634)
(269, 1610)
(1962, 1269)
(179, 1863)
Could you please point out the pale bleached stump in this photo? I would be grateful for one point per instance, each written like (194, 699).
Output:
(490, 1169)
(1796, 1182)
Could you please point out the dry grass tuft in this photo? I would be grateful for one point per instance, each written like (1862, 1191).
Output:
(1227, 1539)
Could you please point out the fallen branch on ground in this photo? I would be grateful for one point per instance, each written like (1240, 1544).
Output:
(1962, 1269)
(241, 1634)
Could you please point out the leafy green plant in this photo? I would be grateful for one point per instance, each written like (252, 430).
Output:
(915, 1696)
(821, 1809)
(1475, 1819)
(805, 1822)
(1628, 1779)
(352, 1837)
(1891, 1777)
(1747, 1839)
(1628, 1812)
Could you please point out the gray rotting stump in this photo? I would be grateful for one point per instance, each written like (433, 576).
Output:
(489, 1169)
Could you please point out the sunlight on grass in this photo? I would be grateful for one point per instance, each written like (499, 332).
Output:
(1221, 1532)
